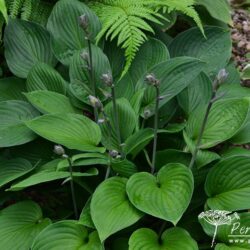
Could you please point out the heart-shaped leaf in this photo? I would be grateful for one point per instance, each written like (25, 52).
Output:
(43, 77)
(71, 130)
(110, 208)
(166, 196)
(50, 102)
(13, 115)
(67, 235)
(171, 239)
(67, 35)
(20, 224)
(228, 184)
(26, 44)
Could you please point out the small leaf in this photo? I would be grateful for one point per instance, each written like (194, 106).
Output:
(228, 184)
(71, 130)
(50, 102)
(26, 44)
(20, 224)
(124, 167)
(166, 196)
(67, 235)
(111, 210)
(3, 10)
(171, 239)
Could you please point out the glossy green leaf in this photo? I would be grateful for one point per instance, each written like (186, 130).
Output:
(246, 73)
(71, 130)
(67, 235)
(171, 239)
(20, 224)
(215, 49)
(228, 184)
(44, 77)
(225, 247)
(127, 123)
(219, 9)
(3, 10)
(12, 88)
(174, 75)
(166, 196)
(50, 102)
(110, 208)
(243, 136)
(13, 115)
(124, 167)
(85, 216)
(197, 93)
(225, 119)
(26, 44)
(67, 35)
(13, 169)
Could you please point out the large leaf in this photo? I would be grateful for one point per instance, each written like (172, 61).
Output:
(215, 49)
(219, 9)
(225, 119)
(44, 77)
(166, 196)
(71, 130)
(174, 75)
(67, 235)
(127, 123)
(225, 247)
(20, 224)
(110, 208)
(11, 88)
(3, 10)
(228, 184)
(171, 239)
(197, 93)
(81, 83)
(13, 169)
(50, 102)
(67, 35)
(26, 44)
(13, 115)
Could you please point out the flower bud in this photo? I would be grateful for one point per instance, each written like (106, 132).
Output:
(222, 76)
(147, 113)
(84, 21)
(107, 79)
(113, 153)
(59, 150)
(101, 121)
(85, 56)
(152, 80)
(95, 102)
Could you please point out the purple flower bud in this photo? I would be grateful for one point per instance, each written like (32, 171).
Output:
(152, 80)
(84, 21)
(59, 150)
(107, 79)
(113, 153)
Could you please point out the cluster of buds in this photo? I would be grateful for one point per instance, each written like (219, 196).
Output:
(59, 150)
(220, 79)
(95, 102)
(114, 154)
(107, 79)
(152, 80)
(84, 22)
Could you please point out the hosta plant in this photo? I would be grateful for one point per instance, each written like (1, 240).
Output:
(119, 128)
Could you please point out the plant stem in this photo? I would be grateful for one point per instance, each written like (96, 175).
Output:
(203, 126)
(117, 127)
(92, 78)
(215, 233)
(155, 128)
(72, 188)
(162, 228)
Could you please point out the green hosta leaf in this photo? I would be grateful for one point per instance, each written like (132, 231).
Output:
(111, 210)
(171, 239)
(243, 137)
(67, 35)
(50, 102)
(124, 167)
(20, 224)
(152, 52)
(3, 10)
(127, 123)
(11, 88)
(71, 130)
(225, 247)
(13, 169)
(174, 75)
(246, 73)
(26, 44)
(225, 119)
(67, 235)
(166, 196)
(228, 184)
(44, 77)
(215, 49)
(219, 9)
(13, 115)
(85, 217)
(197, 93)
(80, 77)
